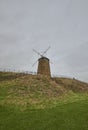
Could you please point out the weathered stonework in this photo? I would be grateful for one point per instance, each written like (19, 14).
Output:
(44, 66)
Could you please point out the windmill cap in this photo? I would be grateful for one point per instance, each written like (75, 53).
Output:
(43, 58)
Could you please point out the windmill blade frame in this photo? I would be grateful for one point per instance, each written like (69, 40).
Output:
(46, 50)
(37, 52)
(34, 63)
(41, 55)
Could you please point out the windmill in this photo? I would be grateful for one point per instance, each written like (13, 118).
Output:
(43, 63)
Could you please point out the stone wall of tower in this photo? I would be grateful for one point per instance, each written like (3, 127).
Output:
(44, 66)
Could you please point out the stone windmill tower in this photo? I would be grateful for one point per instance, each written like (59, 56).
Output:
(43, 64)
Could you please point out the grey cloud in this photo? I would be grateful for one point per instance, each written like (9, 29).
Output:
(29, 24)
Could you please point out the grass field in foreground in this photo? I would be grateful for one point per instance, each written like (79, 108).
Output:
(69, 116)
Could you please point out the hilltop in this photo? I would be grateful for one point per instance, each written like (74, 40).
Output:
(31, 90)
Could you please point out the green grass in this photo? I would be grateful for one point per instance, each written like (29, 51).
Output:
(70, 116)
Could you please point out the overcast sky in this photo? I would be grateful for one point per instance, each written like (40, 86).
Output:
(36, 24)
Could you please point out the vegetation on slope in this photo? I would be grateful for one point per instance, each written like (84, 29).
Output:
(72, 84)
(37, 91)
(30, 102)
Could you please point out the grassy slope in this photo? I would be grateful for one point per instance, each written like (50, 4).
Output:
(38, 103)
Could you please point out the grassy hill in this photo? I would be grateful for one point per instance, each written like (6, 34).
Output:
(42, 103)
